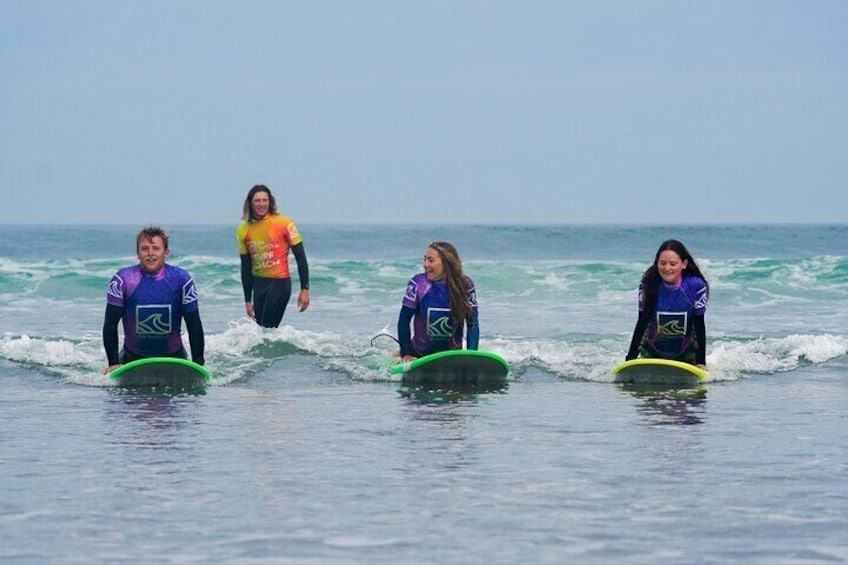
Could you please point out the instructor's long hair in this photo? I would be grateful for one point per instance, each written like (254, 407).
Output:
(652, 280)
(247, 209)
(460, 301)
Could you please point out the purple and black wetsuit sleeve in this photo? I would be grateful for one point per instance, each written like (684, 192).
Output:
(638, 333)
(701, 339)
(110, 333)
(195, 336)
(473, 339)
(403, 331)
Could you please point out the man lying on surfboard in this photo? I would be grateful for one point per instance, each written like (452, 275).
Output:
(673, 296)
(440, 302)
(152, 298)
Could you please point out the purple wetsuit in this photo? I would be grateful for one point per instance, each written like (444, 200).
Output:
(670, 329)
(432, 325)
(153, 308)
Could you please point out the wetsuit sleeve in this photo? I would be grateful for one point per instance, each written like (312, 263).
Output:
(638, 332)
(110, 333)
(195, 336)
(302, 265)
(701, 338)
(403, 331)
(246, 277)
(473, 340)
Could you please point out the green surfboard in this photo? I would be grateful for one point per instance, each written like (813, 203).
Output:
(161, 372)
(457, 367)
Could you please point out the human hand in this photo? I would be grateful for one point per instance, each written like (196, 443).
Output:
(248, 307)
(110, 368)
(303, 300)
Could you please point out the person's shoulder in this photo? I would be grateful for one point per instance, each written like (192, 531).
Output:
(281, 219)
(173, 270)
(129, 269)
(694, 282)
(419, 281)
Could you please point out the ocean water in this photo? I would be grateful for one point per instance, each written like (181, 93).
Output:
(305, 450)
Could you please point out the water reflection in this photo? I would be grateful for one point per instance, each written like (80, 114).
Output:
(443, 422)
(158, 409)
(449, 394)
(664, 405)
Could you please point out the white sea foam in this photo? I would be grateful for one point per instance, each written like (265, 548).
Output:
(49, 353)
(773, 355)
(244, 348)
(563, 311)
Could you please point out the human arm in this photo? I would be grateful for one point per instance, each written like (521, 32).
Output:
(404, 333)
(196, 339)
(247, 283)
(303, 273)
(638, 332)
(473, 339)
(701, 339)
(110, 335)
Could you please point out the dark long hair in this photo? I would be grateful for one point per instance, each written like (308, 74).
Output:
(460, 302)
(247, 209)
(652, 280)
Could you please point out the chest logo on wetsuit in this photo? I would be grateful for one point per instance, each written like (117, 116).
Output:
(264, 255)
(671, 324)
(439, 323)
(153, 320)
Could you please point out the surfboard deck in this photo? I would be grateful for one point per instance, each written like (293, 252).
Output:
(457, 367)
(161, 372)
(658, 372)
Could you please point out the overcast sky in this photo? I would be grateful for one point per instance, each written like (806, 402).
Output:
(362, 111)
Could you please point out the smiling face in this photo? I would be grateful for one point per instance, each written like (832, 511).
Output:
(671, 266)
(434, 268)
(151, 254)
(259, 204)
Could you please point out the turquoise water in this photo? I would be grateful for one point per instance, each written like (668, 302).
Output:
(304, 450)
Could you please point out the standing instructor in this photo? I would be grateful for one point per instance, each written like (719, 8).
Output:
(264, 239)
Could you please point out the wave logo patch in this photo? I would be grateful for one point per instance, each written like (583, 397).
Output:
(671, 324)
(189, 292)
(153, 320)
(411, 294)
(439, 323)
(116, 286)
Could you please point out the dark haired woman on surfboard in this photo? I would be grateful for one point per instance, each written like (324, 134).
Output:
(673, 296)
(440, 302)
(264, 239)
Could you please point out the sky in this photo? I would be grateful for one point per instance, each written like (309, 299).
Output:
(474, 112)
